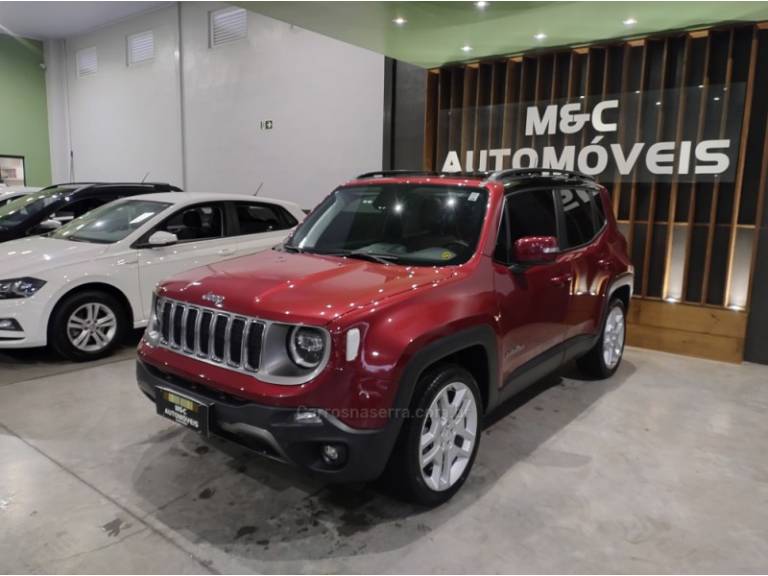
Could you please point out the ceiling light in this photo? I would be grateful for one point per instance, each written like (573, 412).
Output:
(629, 21)
(482, 5)
(466, 48)
(400, 21)
(540, 36)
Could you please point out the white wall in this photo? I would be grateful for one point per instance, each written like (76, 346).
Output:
(324, 97)
(126, 121)
(55, 55)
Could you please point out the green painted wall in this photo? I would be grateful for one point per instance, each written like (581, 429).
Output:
(23, 109)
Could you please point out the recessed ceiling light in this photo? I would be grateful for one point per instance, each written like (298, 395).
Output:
(466, 48)
(540, 36)
(400, 21)
(629, 21)
(482, 5)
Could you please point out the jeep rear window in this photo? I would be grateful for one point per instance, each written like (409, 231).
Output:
(401, 223)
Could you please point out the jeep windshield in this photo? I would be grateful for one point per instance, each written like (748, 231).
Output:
(420, 225)
(28, 207)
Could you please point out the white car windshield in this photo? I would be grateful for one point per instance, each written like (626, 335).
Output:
(110, 223)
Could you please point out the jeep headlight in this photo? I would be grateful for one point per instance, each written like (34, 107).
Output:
(306, 346)
(19, 287)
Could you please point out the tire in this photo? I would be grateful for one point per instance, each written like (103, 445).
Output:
(420, 483)
(605, 357)
(73, 317)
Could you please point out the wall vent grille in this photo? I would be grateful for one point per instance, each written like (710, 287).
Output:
(87, 62)
(141, 48)
(227, 25)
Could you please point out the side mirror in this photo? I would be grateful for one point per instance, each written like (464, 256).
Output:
(45, 226)
(161, 238)
(536, 249)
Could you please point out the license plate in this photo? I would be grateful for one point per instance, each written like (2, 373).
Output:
(183, 410)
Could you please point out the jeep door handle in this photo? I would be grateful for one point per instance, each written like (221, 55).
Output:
(561, 280)
(605, 264)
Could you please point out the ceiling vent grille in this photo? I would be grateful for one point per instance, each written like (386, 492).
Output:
(141, 48)
(227, 25)
(87, 62)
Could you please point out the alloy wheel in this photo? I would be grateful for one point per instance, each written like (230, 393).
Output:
(448, 436)
(613, 337)
(92, 327)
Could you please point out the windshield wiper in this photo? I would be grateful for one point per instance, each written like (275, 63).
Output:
(361, 255)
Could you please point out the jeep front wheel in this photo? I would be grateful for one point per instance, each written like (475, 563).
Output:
(440, 441)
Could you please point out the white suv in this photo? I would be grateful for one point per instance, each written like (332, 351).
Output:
(81, 287)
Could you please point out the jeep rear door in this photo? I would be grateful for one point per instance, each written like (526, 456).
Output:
(588, 255)
(533, 299)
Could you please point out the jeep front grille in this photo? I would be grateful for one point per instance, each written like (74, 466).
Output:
(213, 336)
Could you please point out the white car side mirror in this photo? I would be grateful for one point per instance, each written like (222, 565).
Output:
(49, 225)
(161, 238)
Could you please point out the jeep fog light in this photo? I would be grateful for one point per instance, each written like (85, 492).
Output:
(306, 346)
(334, 454)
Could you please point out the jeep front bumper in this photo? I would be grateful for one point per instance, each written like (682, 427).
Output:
(276, 433)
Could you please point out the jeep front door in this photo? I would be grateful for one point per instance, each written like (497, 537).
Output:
(533, 298)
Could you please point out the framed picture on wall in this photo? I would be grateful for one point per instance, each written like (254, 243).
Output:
(12, 171)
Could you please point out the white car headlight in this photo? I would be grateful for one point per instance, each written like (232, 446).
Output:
(19, 287)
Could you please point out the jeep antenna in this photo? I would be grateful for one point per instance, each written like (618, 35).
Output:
(145, 178)
(258, 189)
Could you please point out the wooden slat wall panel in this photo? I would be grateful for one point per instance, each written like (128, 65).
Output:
(682, 232)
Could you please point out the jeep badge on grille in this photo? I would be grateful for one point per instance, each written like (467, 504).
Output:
(215, 299)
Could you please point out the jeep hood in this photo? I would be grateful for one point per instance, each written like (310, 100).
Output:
(300, 287)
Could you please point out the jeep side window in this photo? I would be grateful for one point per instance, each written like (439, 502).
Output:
(527, 213)
(599, 210)
(578, 217)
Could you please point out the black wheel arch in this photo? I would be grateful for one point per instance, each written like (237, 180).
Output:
(474, 348)
(110, 289)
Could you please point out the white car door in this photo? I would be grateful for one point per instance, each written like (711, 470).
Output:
(202, 240)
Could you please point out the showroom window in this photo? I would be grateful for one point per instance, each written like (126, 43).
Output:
(87, 62)
(141, 48)
(258, 218)
(227, 25)
(530, 213)
(578, 217)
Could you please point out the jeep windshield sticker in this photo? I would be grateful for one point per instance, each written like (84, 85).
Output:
(473, 197)
(620, 135)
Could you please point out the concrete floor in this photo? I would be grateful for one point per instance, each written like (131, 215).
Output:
(663, 468)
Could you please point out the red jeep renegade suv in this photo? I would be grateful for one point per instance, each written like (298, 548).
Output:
(405, 308)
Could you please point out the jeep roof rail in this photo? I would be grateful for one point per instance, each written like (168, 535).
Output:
(524, 172)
